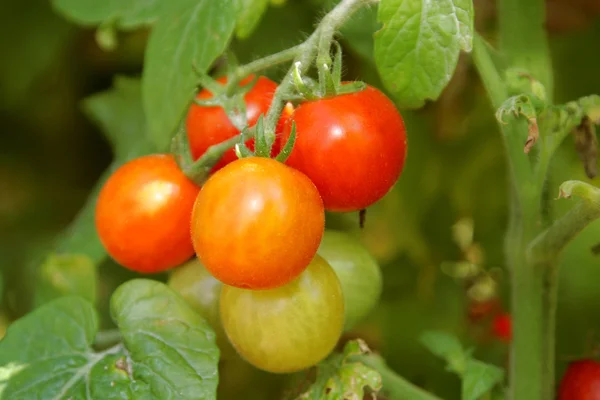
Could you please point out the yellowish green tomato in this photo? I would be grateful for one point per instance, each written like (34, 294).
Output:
(288, 328)
(202, 291)
(358, 272)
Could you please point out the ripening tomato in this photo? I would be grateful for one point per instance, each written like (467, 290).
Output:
(143, 214)
(351, 146)
(207, 126)
(257, 223)
(202, 291)
(502, 327)
(581, 381)
(289, 328)
(357, 271)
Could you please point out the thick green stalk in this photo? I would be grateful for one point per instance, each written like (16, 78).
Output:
(523, 42)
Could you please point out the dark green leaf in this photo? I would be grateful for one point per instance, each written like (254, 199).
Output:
(250, 13)
(172, 347)
(191, 33)
(126, 14)
(417, 49)
(34, 39)
(64, 275)
(479, 378)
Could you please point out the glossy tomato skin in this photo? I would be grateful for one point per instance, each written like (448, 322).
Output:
(143, 214)
(581, 381)
(207, 126)
(289, 328)
(257, 223)
(358, 272)
(202, 291)
(351, 146)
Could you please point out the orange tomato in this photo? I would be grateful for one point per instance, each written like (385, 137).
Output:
(143, 214)
(257, 223)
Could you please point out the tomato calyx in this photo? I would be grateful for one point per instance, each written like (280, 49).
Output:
(329, 83)
(263, 142)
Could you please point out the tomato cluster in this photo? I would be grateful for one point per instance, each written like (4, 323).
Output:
(251, 248)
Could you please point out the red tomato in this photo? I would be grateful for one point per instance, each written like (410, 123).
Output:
(143, 214)
(502, 327)
(351, 146)
(257, 223)
(581, 381)
(207, 126)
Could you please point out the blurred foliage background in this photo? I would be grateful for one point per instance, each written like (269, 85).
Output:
(51, 156)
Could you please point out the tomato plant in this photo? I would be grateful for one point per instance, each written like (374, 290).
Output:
(357, 271)
(143, 214)
(257, 223)
(220, 148)
(288, 328)
(581, 381)
(352, 146)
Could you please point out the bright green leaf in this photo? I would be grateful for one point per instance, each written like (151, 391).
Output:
(126, 14)
(47, 353)
(417, 49)
(191, 33)
(169, 351)
(447, 347)
(65, 275)
(250, 13)
(172, 347)
(119, 113)
(479, 378)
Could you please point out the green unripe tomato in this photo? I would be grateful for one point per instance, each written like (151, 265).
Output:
(358, 272)
(202, 291)
(288, 328)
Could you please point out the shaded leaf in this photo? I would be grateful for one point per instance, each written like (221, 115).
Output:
(126, 14)
(417, 49)
(192, 33)
(250, 13)
(65, 275)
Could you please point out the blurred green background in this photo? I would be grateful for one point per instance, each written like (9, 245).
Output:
(51, 155)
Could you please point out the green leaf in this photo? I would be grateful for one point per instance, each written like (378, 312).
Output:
(417, 49)
(119, 113)
(191, 33)
(64, 275)
(47, 354)
(340, 378)
(169, 351)
(127, 14)
(479, 378)
(172, 346)
(447, 347)
(250, 13)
